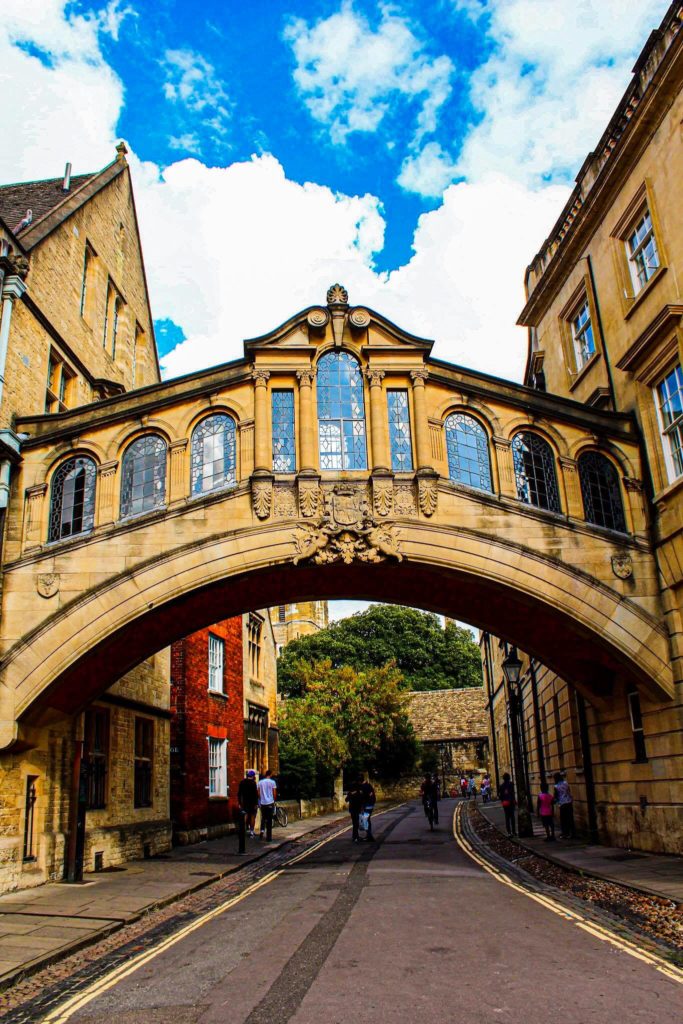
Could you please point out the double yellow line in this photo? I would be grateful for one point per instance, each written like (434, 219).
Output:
(569, 915)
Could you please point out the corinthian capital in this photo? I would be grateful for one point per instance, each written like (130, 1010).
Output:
(375, 377)
(306, 377)
(261, 377)
(418, 377)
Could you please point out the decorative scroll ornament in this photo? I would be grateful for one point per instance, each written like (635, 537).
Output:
(262, 497)
(337, 295)
(318, 318)
(622, 566)
(404, 501)
(284, 503)
(346, 533)
(47, 584)
(310, 498)
(427, 494)
(382, 496)
(359, 318)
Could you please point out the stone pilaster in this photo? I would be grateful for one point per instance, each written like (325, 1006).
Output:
(308, 448)
(178, 485)
(34, 507)
(106, 486)
(378, 421)
(572, 490)
(636, 504)
(263, 457)
(502, 450)
(422, 445)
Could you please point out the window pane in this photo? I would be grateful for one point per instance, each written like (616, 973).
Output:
(216, 663)
(213, 454)
(468, 452)
(341, 413)
(72, 502)
(535, 472)
(143, 476)
(600, 490)
(284, 447)
(399, 431)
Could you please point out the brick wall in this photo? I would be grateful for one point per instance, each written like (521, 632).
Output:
(197, 714)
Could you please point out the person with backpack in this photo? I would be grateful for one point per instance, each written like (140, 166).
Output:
(247, 798)
(506, 795)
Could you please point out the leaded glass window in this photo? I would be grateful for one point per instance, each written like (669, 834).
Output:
(72, 500)
(467, 445)
(600, 491)
(643, 258)
(670, 407)
(284, 448)
(535, 471)
(399, 431)
(143, 477)
(341, 413)
(213, 454)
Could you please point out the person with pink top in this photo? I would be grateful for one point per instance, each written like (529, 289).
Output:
(544, 809)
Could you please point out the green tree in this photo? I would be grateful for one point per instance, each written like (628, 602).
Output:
(428, 656)
(344, 718)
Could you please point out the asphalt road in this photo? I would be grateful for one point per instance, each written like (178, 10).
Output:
(405, 929)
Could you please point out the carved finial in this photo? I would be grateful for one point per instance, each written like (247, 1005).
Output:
(121, 151)
(337, 295)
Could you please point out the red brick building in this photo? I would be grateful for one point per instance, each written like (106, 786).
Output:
(207, 729)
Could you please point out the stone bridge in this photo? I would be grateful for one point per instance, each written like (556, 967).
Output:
(335, 459)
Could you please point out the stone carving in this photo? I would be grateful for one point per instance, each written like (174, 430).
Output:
(346, 533)
(337, 295)
(284, 503)
(317, 318)
(375, 377)
(359, 318)
(404, 502)
(262, 497)
(261, 377)
(427, 494)
(47, 584)
(306, 377)
(382, 495)
(310, 498)
(622, 566)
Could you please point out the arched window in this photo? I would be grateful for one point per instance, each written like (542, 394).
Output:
(535, 471)
(72, 499)
(468, 451)
(213, 454)
(341, 413)
(600, 492)
(143, 476)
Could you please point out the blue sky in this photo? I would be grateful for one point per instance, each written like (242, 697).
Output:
(418, 152)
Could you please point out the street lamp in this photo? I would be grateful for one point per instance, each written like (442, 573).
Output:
(512, 669)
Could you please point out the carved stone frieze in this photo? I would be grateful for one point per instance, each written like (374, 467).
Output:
(310, 498)
(404, 502)
(284, 503)
(262, 497)
(427, 494)
(382, 495)
(346, 532)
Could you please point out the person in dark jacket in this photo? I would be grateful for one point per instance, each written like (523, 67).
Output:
(506, 795)
(360, 797)
(430, 796)
(247, 798)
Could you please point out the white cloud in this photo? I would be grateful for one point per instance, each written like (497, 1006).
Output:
(428, 172)
(350, 76)
(555, 75)
(191, 83)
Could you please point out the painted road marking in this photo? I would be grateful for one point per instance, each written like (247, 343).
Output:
(569, 915)
(66, 1010)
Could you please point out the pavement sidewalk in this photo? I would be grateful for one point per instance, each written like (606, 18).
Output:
(655, 874)
(41, 925)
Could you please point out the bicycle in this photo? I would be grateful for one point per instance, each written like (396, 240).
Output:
(280, 816)
(431, 813)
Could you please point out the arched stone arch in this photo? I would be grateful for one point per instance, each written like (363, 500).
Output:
(471, 406)
(541, 427)
(125, 437)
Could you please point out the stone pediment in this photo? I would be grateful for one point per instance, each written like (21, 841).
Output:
(340, 323)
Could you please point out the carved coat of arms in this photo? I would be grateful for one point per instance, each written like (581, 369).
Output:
(47, 584)
(622, 566)
(346, 533)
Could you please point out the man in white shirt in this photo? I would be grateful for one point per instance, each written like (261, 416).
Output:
(267, 794)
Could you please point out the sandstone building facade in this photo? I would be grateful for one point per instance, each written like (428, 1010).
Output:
(605, 316)
(453, 723)
(76, 328)
(300, 618)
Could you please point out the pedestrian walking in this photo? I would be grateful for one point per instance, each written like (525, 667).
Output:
(430, 797)
(506, 795)
(486, 788)
(544, 809)
(564, 799)
(472, 788)
(247, 798)
(368, 806)
(463, 787)
(267, 795)
(361, 799)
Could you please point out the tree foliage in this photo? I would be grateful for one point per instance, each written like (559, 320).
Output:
(344, 718)
(428, 656)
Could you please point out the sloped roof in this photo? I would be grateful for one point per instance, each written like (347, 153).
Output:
(38, 196)
(448, 714)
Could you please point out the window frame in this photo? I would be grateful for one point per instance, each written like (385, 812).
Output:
(131, 513)
(346, 458)
(98, 758)
(216, 665)
(401, 461)
(464, 415)
(143, 762)
(256, 736)
(60, 382)
(675, 428)
(229, 478)
(219, 787)
(642, 202)
(620, 510)
(58, 477)
(283, 445)
(635, 713)
(89, 260)
(523, 432)
(637, 264)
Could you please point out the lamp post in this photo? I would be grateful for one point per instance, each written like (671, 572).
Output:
(512, 669)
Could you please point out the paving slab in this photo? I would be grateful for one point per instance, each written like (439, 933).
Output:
(51, 921)
(654, 873)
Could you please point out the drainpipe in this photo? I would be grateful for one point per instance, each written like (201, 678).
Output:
(588, 777)
(489, 691)
(537, 722)
(608, 365)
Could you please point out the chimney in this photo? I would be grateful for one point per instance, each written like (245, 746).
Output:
(66, 184)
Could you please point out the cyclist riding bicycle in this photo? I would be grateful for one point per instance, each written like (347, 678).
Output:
(429, 792)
